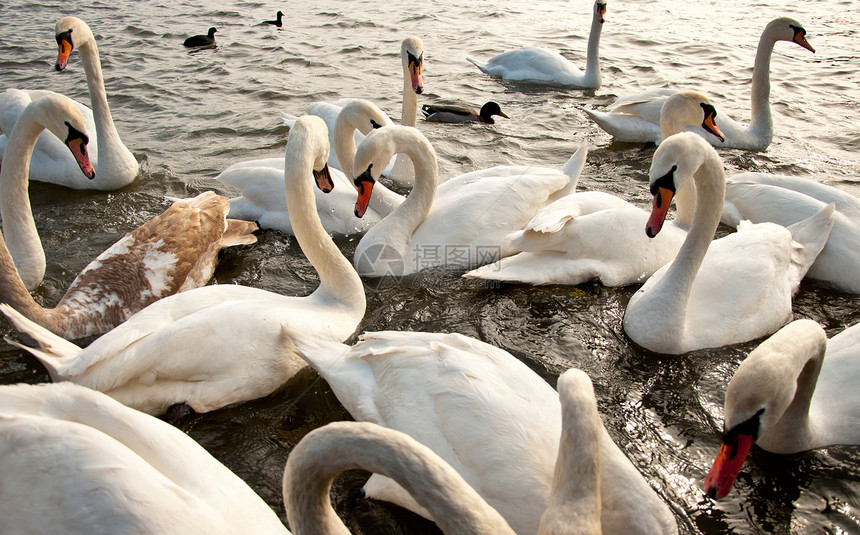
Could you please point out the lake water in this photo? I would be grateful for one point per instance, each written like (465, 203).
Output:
(188, 115)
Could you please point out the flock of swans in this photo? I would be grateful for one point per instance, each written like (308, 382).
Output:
(454, 429)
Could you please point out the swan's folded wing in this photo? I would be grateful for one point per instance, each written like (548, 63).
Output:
(261, 186)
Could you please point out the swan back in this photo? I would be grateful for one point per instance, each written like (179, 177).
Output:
(325, 452)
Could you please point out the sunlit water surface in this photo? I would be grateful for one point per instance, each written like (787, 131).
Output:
(188, 115)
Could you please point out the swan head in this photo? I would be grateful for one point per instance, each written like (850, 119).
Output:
(690, 107)
(787, 29)
(600, 11)
(760, 392)
(489, 109)
(412, 56)
(362, 115)
(373, 154)
(62, 118)
(71, 33)
(675, 162)
(313, 134)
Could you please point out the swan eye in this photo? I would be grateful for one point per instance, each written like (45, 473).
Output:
(666, 181)
(74, 134)
(65, 36)
(413, 60)
(749, 427)
(366, 176)
(375, 125)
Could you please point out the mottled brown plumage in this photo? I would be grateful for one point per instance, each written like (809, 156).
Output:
(172, 252)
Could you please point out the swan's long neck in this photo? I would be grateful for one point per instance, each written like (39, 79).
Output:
(761, 123)
(19, 224)
(409, 109)
(338, 280)
(397, 228)
(675, 287)
(328, 451)
(98, 98)
(575, 499)
(19, 227)
(114, 159)
(15, 294)
(592, 59)
(344, 146)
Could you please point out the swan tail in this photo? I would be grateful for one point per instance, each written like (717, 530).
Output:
(811, 236)
(288, 119)
(573, 168)
(239, 233)
(52, 348)
(478, 65)
(324, 356)
(731, 215)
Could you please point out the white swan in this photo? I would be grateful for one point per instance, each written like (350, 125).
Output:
(75, 461)
(465, 226)
(492, 418)
(636, 118)
(115, 164)
(261, 182)
(543, 66)
(400, 170)
(794, 392)
(785, 200)
(60, 117)
(221, 344)
(731, 290)
(172, 252)
(596, 235)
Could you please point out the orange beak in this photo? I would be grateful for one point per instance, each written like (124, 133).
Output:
(415, 73)
(364, 183)
(800, 38)
(78, 146)
(323, 179)
(64, 43)
(659, 209)
(601, 12)
(710, 124)
(727, 466)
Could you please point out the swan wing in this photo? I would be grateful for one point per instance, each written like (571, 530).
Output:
(765, 263)
(568, 243)
(530, 64)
